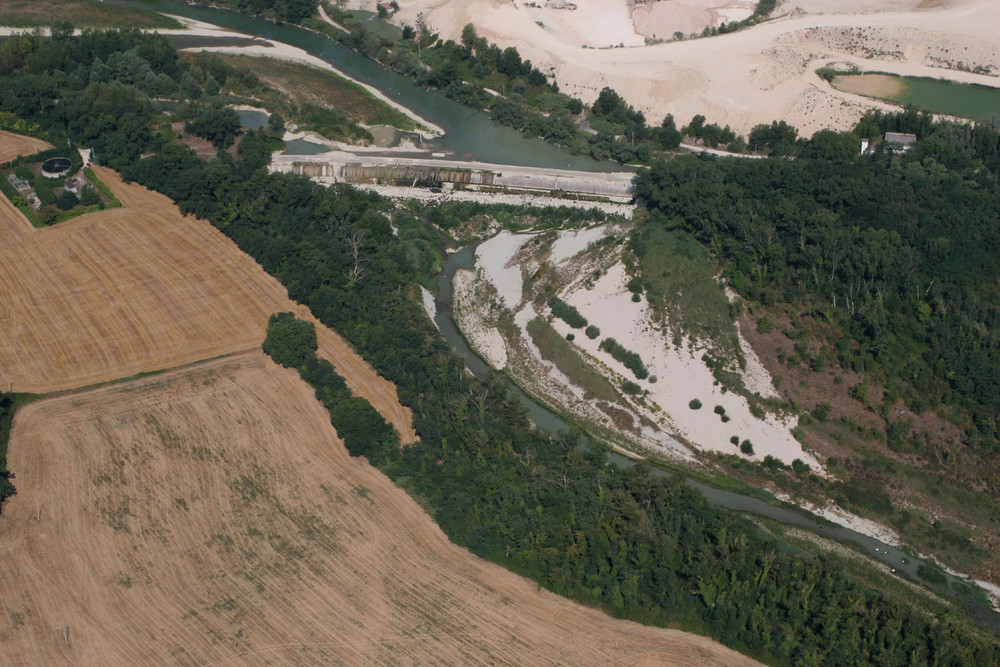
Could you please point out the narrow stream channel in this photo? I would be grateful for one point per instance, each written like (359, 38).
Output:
(550, 422)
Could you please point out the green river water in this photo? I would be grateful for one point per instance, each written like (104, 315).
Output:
(947, 97)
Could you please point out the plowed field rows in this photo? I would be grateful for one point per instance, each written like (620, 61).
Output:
(141, 288)
(210, 515)
(12, 145)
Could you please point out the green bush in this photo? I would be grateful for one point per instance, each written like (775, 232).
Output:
(290, 342)
(24, 171)
(592, 332)
(735, 440)
(44, 192)
(800, 467)
(822, 412)
(630, 387)
(746, 447)
(695, 404)
(66, 200)
(567, 313)
(632, 361)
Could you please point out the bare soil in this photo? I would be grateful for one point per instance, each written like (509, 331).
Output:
(142, 288)
(211, 516)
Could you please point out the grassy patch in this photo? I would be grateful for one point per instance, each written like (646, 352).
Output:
(554, 348)
(296, 86)
(680, 281)
(81, 13)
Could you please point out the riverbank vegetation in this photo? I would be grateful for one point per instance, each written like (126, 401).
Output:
(517, 94)
(293, 89)
(875, 268)
(638, 546)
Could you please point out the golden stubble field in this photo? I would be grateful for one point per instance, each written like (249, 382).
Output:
(136, 289)
(210, 515)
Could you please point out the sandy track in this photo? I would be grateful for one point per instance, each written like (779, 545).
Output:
(140, 288)
(12, 145)
(210, 516)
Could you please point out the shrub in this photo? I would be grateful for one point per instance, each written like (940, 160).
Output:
(735, 440)
(570, 337)
(89, 196)
(66, 200)
(631, 360)
(821, 412)
(44, 192)
(695, 404)
(636, 298)
(719, 410)
(746, 447)
(592, 332)
(567, 313)
(290, 342)
(765, 325)
(800, 467)
(630, 387)
(773, 464)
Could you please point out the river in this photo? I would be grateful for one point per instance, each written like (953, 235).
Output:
(469, 134)
(550, 422)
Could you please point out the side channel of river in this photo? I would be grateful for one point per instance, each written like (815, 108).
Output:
(469, 134)
(550, 422)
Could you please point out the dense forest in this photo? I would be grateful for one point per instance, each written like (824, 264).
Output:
(898, 250)
(639, 546)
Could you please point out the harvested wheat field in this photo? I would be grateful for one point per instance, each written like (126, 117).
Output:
(141, 288)
(12, 145)
(210, 515)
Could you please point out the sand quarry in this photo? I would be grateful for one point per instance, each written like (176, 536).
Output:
(210, 514)
(744, 78)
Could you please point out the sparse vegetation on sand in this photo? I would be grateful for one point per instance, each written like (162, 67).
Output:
(295, 89)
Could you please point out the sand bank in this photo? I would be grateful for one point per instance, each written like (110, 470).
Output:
(681, 376)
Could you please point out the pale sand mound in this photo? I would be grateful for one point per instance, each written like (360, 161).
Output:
(211, 516)
(595, 23)
(141, 288)
(661, 19)
(742, 79)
